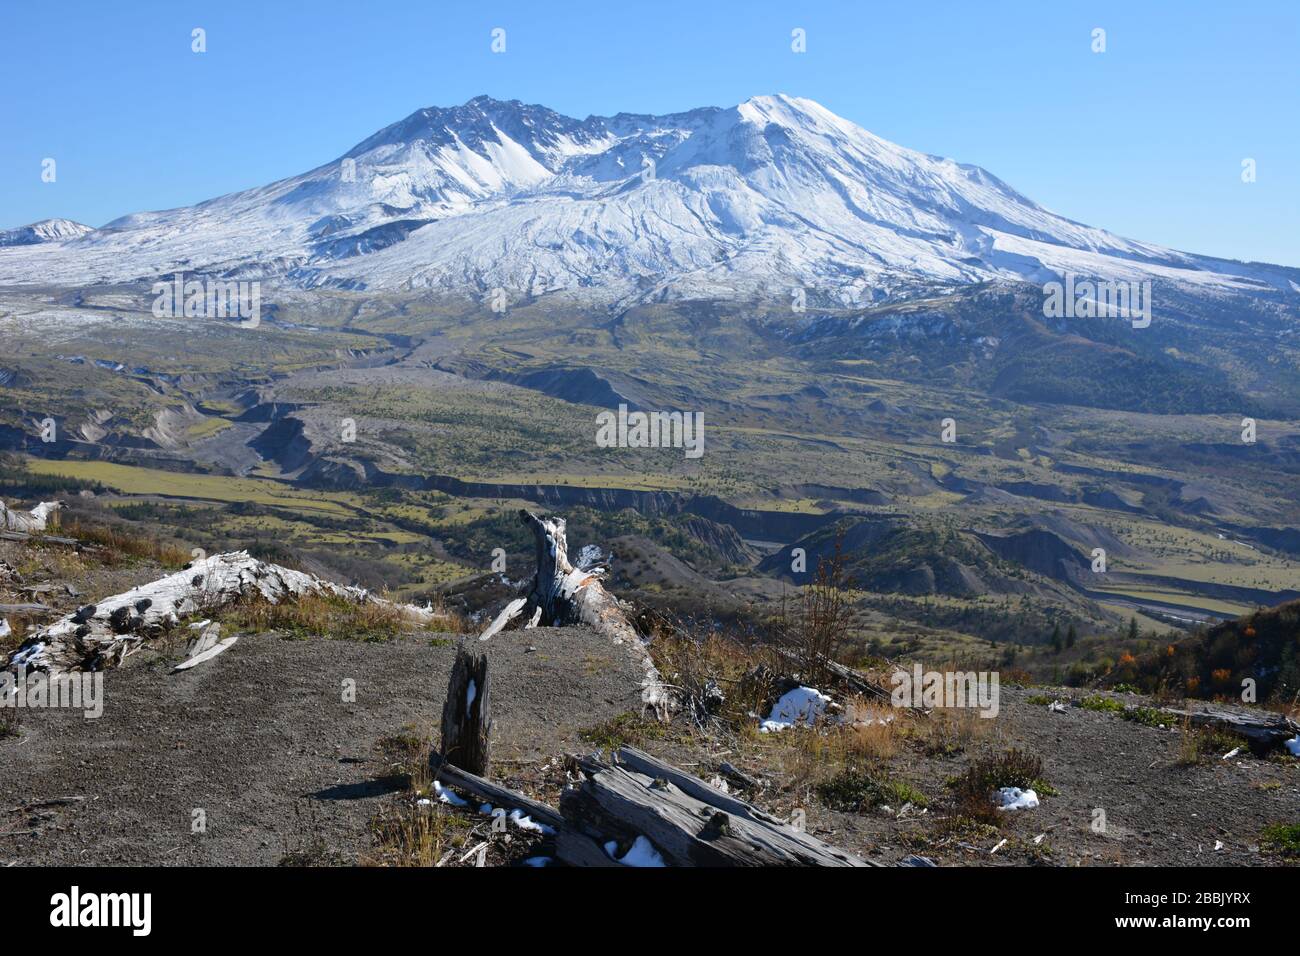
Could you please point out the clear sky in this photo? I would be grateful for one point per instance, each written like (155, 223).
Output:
(1146, 139)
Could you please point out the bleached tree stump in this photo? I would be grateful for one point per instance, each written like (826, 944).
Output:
(566, 595)
(38, 519)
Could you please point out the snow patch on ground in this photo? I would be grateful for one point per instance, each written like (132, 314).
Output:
(1013, 798)
(446, 796)
(803, 705)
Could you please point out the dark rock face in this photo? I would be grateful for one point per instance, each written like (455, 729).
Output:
(721, 538)
(1040, 551)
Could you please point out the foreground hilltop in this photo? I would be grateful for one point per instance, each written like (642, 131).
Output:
(287, 767)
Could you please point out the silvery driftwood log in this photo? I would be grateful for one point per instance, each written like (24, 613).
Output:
(101, 634)
(687, 821)
(1261, 729)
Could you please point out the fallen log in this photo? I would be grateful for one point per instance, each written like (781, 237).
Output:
(643, 763)
(99, 635)
(26, 609)
(1262, 730)
(485, 790)
(687, 822)
(467, 714)
(49, 539)
(855, 681)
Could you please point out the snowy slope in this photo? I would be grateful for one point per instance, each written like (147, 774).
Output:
(775, 192)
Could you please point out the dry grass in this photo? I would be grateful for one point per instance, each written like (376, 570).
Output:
(329, 615)
(417, 834)
(873, 730)
(411, 833)
(625, 730)
(1196, 745)
(703, 667)
(118, 544)
(949, 731)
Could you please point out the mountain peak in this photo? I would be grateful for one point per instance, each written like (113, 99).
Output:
(775, 192)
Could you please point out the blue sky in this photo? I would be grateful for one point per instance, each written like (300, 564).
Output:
(1146, 139)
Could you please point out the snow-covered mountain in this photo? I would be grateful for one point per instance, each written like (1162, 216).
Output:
(775, 192)
(47, 230)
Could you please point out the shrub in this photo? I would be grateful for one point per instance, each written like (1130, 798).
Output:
(854, 790)
(974, 789)
(819, 625)
(1149, 716)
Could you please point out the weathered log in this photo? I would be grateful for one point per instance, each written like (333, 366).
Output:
(739, 777)
(643, 763)
(49, 539)
(26, 609)
(508, 614)
(1263, 730)
(566, 595)
(695, 826)
(99, 634)
(577, 849)
(452, 776)
(467, 714)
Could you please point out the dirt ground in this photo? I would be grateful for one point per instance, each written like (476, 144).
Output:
(261, 740)
(1157, 811)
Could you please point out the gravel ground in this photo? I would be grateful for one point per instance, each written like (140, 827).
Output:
(261, 740)
(1157, 811)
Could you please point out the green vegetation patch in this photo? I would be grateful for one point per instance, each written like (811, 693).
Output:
(1282, 839)
(854, 790)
